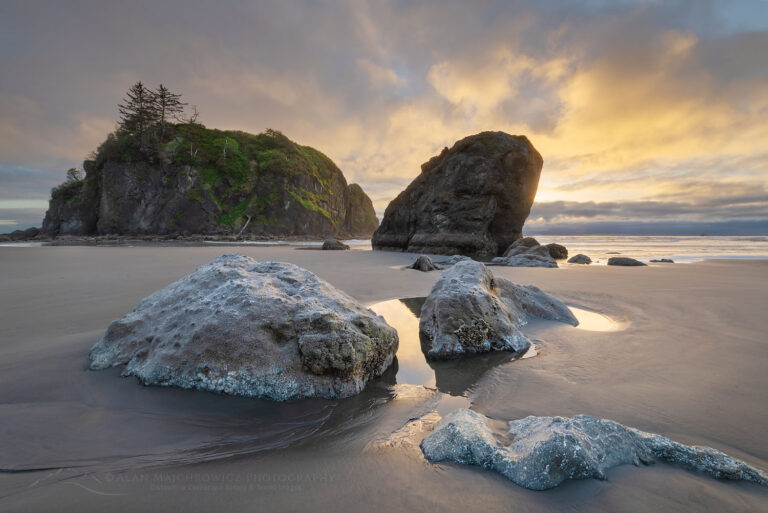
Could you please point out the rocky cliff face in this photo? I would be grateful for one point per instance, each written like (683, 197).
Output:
(360, 217)
(208, 181)
(472, 199)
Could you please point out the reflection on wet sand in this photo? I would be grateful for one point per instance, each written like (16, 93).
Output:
(593, 321)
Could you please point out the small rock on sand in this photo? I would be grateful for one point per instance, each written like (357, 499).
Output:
(557, 251)
(334, 244)
(625, 261)
(424, 264)
(580, 259)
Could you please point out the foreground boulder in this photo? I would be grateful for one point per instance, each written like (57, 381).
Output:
(424, 264)
(334, 244)
(260, 329)
(625, 261)
(580, 259)
(471, 199)
(549, 450)
(521, 255)
(469, 311)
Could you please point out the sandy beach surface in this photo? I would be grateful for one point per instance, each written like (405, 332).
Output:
(691, 363)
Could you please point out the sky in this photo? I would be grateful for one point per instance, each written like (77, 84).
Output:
(644, 111)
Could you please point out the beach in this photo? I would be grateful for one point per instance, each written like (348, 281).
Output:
(689, 362)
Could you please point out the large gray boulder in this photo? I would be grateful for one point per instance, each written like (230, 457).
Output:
(471, 199)
(545, 451)
(260, 329)
(469, 311)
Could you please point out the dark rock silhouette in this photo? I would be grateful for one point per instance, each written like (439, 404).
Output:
(425, 264)
(334, 244)
(557, 251)
(625, 261)
(471, 199)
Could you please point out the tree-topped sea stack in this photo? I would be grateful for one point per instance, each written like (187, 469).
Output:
(158, 174)
(471, 199)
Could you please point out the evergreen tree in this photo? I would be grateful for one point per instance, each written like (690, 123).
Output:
(74, 175)
(168, 106)
(138, 113)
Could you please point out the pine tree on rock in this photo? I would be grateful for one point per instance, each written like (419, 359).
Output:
(138, 113)
(168, 106)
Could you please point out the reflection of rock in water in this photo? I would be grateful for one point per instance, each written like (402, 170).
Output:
(352, 414)
(455, 377)
(414, 304)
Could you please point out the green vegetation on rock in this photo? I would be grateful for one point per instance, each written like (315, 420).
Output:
(182, 177)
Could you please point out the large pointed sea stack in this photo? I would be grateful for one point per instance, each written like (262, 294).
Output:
(471, 199)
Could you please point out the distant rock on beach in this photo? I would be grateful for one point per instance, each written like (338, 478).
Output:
(334, 244)
(469, 311)
(580, 259)
(425, 264)
(262, 329)
(546, 451)
(471, 199)
(527, 252)
(557, 251)
(625, 261)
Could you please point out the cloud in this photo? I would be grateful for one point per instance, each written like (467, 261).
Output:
(629, 102)
(380, 76)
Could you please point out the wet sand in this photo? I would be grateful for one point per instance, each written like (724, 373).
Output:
(691, 363)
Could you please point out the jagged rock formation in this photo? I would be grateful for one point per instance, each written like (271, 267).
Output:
(206, 181)
(545, 451)
(260, 329)
(469, 311)
(471, 199)
(580, 259)
(16, 235)
(526, 252)
(625, 261)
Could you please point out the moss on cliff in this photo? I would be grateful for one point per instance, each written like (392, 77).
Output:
(204, 180)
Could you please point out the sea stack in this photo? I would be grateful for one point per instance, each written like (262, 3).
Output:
(471, 199)
(203, 181)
